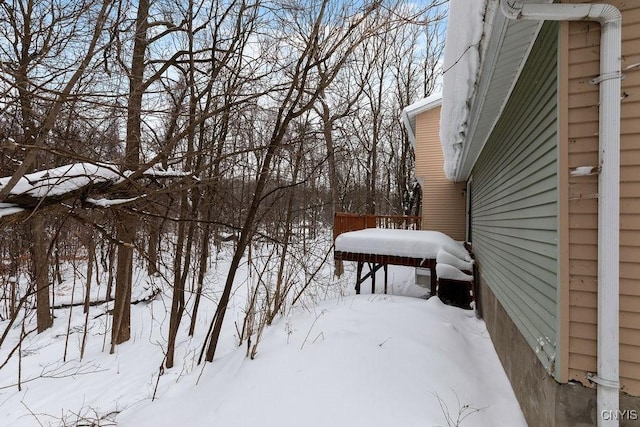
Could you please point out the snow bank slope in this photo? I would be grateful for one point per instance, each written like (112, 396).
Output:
(374, 360)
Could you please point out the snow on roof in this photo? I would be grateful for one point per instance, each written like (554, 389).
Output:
(461, 65)
(410, 112)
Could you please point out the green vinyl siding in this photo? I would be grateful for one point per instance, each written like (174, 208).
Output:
(514, 201)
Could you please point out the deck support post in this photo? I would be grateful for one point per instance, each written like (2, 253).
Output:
(373, 268)
(376, 261)
(434, 280)
(372, 271)
(385, 277)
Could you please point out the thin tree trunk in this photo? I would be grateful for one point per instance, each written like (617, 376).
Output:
(128, 223)
(331, 157)
(13, 276)
(208, 204)
(111, 260)
(41, 273)
(181, 269)
(126, 231)
(280, 292)
(202, 271)
(91, 252)
(177, 299)
(243, 241)
(154, 240)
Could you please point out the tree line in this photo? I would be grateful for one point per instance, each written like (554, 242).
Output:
(226, 119)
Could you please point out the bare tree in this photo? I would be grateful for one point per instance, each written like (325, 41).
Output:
(390, 71)
(39, 78)
(248, 120)
(334, 32)
(40, 69)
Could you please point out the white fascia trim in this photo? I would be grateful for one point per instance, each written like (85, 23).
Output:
(410, 112)
(411, 131)
(463, 169)
(474, 146)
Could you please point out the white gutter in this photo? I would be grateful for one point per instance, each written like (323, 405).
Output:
(610, 19)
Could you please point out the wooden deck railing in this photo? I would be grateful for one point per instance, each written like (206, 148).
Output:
(343, 222)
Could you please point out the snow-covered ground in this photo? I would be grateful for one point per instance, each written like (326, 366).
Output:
(336, 360)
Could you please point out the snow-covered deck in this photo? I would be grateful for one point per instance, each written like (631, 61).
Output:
(443, 256)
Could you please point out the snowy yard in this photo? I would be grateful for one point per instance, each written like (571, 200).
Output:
(336, 359)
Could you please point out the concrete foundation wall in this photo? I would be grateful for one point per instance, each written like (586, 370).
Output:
(544, 401)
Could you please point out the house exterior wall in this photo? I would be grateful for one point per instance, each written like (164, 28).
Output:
(544, 401)
(443, 201)
(514, 203)
(582, 58)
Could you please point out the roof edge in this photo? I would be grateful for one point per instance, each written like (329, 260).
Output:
(410, 112)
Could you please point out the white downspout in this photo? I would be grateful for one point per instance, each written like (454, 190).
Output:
(610, 19)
